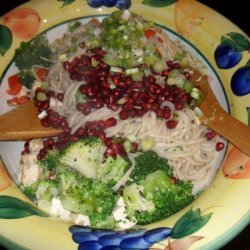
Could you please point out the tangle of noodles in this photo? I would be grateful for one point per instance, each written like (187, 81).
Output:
(187, 149)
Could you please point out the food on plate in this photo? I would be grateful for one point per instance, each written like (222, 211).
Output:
(132, 150)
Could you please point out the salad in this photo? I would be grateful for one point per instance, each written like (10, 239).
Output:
(132, 150)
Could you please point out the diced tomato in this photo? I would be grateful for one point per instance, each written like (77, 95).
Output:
(42, 74)
(15, 85)
(17, 101)
(160, 40)
(149, 33)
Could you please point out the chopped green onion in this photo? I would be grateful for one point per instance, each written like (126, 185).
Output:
(41, 97)
(128, 146)
(137, 76)
(188, 86)
(45, 85)
(94, 63)
(195, 93)
(149, 59)
(180, 55)
(131, 71)
(147, 143)
(121, 101)
(63, 57)
(174, 73)
(159, 66)
(116, 69)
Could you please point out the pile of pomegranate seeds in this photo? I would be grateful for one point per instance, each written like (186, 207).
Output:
(102, 87)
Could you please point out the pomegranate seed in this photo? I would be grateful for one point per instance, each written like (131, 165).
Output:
(80, 106)
(135, 146)
(108, 142)
(219, 146)
(113, 106)
(170, 64)
(101, 135)
(171, 124)
(80, 132)
(187, 75)
(60, 96)
(123, 114)
(66, 65)
(73, 138)
(86, 110)
(45, 122)
(83, 89)
(176, 66)
(66, 130)
(165, 72)
(210, 135)
(166, 115)
(110, 122)
(110, 152)
(140, 112)
(179, 106)
(48, 143)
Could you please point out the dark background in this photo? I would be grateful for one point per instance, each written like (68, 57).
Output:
(236, 11)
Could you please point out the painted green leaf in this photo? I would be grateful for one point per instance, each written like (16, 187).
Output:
(240, 40)
(14, 208)
(5, 39)
(66, 2)
(248, 113)
(158, 3)
(237, 41)
(189, 223)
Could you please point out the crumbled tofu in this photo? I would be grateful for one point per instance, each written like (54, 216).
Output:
(29, 169)
(35, 145)
(58, 210)
(80, 219)
(55, 103)
(120, 215)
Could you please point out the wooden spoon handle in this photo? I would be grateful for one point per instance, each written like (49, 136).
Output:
(22, 123)
(230, 128)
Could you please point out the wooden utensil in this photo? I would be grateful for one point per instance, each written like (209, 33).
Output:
(23, 123)
(219, 120)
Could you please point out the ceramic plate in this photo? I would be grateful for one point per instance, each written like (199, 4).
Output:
(220, 212)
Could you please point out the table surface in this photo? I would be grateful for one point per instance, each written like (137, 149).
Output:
(234, 11)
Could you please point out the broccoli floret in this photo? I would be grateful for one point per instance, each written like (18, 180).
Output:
(34, 52)
(84, 155)
(30, 191)
(27, 78)
(49, 162)
(134, 200)
(74, 190)
(79, 97)
(80, 194)
(167, 203)
(46, 191)
(147, 163)
(157, 180)
(167, 197)
(112, 170)
(99, 221)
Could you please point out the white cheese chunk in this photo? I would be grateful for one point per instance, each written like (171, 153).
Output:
(58, 210)
(29, 169)
(120, 215)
